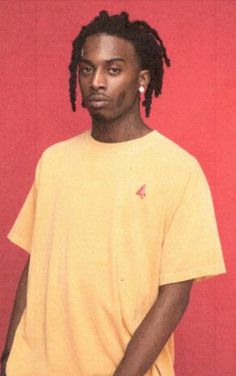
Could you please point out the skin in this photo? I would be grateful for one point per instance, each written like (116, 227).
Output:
(18, 309)
(110, 67)
(119, 120)
(154, 330)
(101, 73)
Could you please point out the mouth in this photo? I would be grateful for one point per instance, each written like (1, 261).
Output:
(97, 101)
(97, 104)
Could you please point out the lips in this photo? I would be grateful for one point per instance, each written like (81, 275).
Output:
(97, 97)
(97, 101)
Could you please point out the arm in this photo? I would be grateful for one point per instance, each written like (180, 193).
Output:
(19, 306)
(155, 329)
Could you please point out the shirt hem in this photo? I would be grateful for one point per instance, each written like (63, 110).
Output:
(19, 241)
(195, 274)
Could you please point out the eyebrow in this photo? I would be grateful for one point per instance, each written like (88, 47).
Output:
(114, 59)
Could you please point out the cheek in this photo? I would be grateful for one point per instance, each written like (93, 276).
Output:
(127, 93)
(82, 85)
(121, 98)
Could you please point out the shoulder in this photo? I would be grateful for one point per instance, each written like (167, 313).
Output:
(173, 157)
(64, 150)
(58, 156)
(64, 147)
(181, 171)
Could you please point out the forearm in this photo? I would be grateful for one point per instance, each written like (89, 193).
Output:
(18, 308)
(152, 334)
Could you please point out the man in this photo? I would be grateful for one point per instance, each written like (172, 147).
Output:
(119, 223)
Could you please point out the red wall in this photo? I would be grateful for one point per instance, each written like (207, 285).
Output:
(196, 110)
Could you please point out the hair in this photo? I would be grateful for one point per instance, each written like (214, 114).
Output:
(146, 41)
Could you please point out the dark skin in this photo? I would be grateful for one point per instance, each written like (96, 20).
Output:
(18, 309)
(117, 120)
(155, 329)
(109, 67)
(110, 71)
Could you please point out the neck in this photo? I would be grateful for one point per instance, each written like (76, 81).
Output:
(126, 127)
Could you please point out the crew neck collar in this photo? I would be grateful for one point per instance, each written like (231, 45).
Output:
(134, 143)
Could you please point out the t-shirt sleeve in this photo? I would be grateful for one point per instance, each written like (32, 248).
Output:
(191, 247)
(22, 230)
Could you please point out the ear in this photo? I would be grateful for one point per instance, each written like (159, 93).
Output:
(144, 78)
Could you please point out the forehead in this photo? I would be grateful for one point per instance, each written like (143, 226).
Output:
(102, 47)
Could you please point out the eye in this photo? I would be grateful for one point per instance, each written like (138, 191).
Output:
(114, 71)
(85, 70)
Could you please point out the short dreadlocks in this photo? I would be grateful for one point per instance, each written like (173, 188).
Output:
(146, 41)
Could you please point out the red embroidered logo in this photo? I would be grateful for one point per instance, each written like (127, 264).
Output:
(141, 192)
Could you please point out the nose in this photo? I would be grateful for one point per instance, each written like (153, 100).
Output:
(98, 80)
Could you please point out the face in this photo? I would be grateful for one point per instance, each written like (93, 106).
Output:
(109, 76)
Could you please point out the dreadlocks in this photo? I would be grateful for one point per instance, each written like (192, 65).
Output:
(146, 41)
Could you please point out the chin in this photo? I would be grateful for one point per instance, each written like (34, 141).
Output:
(98, 117)
(104, 116)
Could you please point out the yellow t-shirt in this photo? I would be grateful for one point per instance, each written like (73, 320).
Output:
(106, 224)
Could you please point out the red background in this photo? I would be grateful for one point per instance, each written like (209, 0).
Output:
(196, 110)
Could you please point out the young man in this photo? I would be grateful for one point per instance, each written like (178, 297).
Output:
(119, 223)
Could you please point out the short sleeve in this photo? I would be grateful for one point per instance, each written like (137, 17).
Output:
(191, 247)
(21, 232)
